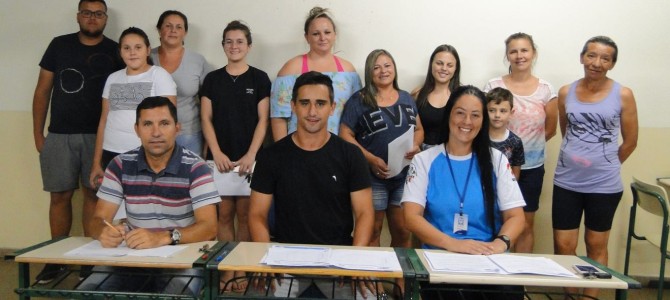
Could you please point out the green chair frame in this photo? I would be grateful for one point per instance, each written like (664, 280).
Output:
(653, 199)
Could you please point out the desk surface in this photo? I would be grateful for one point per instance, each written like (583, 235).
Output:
(54, 253)
(664, 181)
(528, 280)
(246, 256)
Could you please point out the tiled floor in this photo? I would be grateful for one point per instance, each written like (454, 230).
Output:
(9, 281)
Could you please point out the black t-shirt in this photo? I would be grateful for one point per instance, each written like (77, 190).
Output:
(311, 189)
(235, 107)
(80, 72)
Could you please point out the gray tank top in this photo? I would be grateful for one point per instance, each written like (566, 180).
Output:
(588, 161)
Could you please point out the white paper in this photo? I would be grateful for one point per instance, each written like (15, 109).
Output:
(306, 256)
(517, 264)
(397, 150)
(365, 260)
(231, 183)
(495, 264)
(453, 262)
(95, 249)
(297, 256)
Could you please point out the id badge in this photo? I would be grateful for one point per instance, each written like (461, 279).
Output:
(460, 223)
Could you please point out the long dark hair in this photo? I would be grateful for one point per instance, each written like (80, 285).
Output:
(429, 83)
(481, 148)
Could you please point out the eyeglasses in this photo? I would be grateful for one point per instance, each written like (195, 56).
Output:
(98, 14)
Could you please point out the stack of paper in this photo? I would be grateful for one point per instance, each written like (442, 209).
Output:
(306, 256)
(95, 249)
(495, 264)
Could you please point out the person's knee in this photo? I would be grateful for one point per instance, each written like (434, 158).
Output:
(61, 198)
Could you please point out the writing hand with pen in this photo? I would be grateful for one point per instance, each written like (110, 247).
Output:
(138, 238)
(112, 236)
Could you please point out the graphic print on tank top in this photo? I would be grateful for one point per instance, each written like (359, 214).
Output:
(591, 128)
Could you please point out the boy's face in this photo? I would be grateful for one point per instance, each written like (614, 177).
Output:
(499, 114)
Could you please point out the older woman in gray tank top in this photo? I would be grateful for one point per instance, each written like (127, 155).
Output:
(592, 112)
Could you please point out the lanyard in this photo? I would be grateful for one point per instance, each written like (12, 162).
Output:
(461, 196)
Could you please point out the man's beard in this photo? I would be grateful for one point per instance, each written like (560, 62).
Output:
(92, 34)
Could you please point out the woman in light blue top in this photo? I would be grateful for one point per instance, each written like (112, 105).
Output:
(188, 70)
(320, 34)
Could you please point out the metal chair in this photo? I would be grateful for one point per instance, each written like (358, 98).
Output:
(654, 200)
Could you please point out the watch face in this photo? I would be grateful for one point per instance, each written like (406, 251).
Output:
(176, 236)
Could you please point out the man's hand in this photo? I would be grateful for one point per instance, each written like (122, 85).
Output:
(112, 237)
(143, 239)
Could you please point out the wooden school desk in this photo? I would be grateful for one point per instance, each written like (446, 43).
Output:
(246, 256)
(65, 286)
(618, 281)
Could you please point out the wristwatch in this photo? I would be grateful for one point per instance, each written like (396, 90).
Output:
(175, 235)
(505, 239)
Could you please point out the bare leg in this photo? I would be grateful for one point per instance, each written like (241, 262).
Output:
(226, 221)
(524, 243)
(242, 212)
(596, 249)
(226, 232)
(400, 237)
(377, 228)
(242, 235)
(565, 243)
(60, 213)
(90, 200)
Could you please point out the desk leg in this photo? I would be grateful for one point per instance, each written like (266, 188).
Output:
(621, 294)
(213, 284)
(410, 289)
(24, 280)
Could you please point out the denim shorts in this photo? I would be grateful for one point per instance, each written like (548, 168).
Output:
(387, 191)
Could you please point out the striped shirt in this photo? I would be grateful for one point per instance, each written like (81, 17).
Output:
(159, 201)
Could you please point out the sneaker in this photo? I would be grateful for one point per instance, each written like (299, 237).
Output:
(50, 272)
(85, 271)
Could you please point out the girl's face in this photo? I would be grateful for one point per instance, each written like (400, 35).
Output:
(173, 31)
(520, 54)
(466, 119)
(320, 35)
(443, 67)
(134, 52)
(235, 45)
(383, 72)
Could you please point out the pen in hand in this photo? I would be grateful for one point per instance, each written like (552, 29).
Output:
(115, 229)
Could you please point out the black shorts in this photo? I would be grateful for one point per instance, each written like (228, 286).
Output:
(530, 183)
(598, 209)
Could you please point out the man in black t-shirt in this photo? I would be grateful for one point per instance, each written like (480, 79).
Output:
(73, 72)
(319, 183)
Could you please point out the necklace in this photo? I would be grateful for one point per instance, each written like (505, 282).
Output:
(234, 78)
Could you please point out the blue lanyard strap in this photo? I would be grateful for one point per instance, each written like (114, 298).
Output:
(461, 196)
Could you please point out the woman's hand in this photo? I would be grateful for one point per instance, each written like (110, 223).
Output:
(379, 168)
(97, 173)
(246, 163)
(472, 247)
(416, 149)
(223, 163)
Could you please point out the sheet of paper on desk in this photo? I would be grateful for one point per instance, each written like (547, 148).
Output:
(452, 262)
(95, 249)
(396, 152)
(517, 264)
(365, 260)
(297, 256)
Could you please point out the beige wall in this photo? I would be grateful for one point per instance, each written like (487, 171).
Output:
(476, 28)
